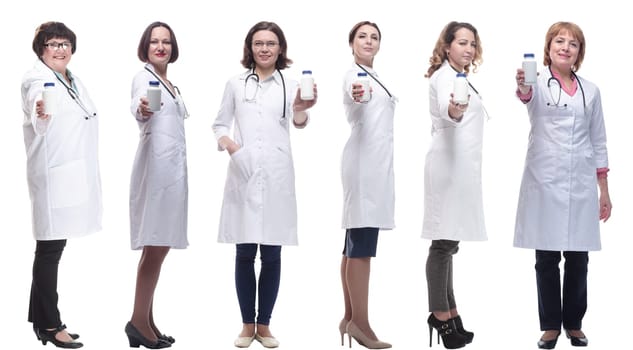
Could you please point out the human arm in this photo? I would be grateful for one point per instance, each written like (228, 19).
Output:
(605, 199)
(33, 104)
(139, 106)
(224, 122)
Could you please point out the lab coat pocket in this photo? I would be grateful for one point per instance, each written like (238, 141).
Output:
(68, 184)
(240, 169)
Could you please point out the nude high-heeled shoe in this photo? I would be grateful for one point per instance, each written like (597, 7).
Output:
(342, 328)
(354, 332)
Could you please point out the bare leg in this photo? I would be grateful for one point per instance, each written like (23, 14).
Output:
(146, 280)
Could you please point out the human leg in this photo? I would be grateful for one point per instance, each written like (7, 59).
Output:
(549, 297)
(439, 276)
(147, 275)
(246, 288)
(575, 295)
(43, 309)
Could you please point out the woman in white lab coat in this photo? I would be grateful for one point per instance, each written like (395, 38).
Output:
(259, 207)
(158, 190)
(559, 205)
(61, 139)
(453, 204)
(368, 181)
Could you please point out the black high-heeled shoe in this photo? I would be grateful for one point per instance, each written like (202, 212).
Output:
(451, 338)
(49, 336)
(460, 328)
(577, 341)
(136, 339)
(547, 344)
(72, 335)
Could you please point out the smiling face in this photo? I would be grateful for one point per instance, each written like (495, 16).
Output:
(462, 49)
(57, 53)
(266, 48)
(366, 44)
(563, 51)
(159, 50)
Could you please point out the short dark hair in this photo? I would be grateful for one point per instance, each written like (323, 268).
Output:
(352, 33)
(282, 60)
(143, 45)
(49, 30)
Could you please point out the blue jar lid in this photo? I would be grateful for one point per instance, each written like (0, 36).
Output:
(362, 74)
(528, 55)
(154, 83)
(306, 72)
(49, 84)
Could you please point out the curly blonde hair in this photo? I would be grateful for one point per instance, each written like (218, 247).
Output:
(444, 41)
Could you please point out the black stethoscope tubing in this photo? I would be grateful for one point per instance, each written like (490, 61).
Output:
(169, 91)
(560, 87)
(283, 83)
(75, 97)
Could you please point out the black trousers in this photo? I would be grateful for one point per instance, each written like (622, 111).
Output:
(43, 311)
(570, 311)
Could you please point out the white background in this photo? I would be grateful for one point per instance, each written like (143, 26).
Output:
(195, 300)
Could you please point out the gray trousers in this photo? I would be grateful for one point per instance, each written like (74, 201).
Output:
(439, 275)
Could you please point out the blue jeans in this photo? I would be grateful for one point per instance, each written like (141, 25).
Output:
(248, 288)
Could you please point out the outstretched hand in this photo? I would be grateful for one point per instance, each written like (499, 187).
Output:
(302, 105)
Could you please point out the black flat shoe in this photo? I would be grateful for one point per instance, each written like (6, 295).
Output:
(136, 339)
(49, 336)
(548, 344)
(167, 338)
(577, 341)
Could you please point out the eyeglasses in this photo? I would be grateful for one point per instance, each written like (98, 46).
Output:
(56, 46)
(260, 44)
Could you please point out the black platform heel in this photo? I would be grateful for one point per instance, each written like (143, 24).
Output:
(451, 338)
(136, 339)
(49, 336)
(460, 328)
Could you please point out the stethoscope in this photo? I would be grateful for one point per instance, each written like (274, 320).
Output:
(255, 77)
(75, 96)
(560, 89)
(177, 99)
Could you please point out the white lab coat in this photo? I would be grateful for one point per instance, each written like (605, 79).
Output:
(259, 203)
(453, 202)
(367, 162)
(158, 187)
(62, 159)
(558, 206)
